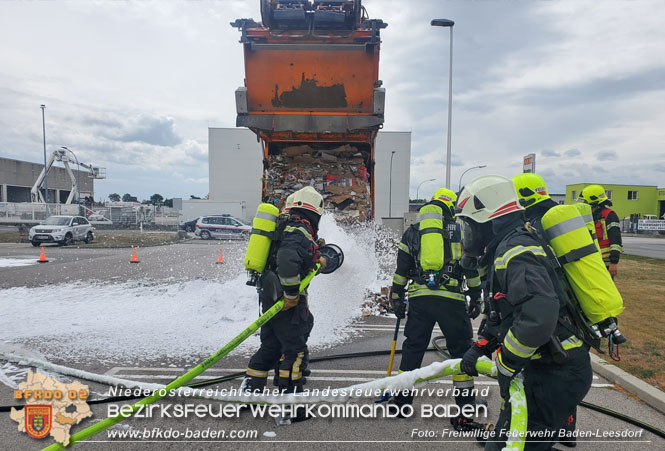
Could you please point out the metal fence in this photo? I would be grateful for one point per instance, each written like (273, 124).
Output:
(34, 212)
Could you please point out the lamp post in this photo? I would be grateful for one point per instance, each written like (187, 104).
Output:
(418, 189)
(390, 189)
(459, 187)
(449, 24)
(45, 169)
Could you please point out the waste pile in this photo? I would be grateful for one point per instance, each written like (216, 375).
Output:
(340, 174)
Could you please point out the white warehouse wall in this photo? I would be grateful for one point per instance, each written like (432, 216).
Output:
(386, 143)
(235, 168)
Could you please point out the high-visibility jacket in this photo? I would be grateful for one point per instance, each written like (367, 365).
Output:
(608, 232)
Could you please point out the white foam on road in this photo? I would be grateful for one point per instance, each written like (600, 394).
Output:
(14, 262)
(139, 319)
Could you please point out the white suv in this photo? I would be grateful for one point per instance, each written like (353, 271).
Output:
(62, 230)
(222, 226)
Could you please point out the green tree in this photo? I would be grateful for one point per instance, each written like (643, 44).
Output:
(156, 199)
(127, 197)
(115, 197)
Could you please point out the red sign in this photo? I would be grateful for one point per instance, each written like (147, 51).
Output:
(38, 420)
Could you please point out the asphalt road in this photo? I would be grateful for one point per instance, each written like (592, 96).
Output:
(196, 260)
(644, 247)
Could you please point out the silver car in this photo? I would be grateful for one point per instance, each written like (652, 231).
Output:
(63, 230)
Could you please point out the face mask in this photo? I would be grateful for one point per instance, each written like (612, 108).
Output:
(475, 237)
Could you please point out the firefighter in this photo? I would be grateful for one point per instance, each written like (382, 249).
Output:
(608, 229)
(284, 338)
(528, 325)
(428, 261)
(532, 192)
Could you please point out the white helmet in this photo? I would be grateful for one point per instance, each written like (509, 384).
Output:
(488, 197)
(288, 204)
(308, 198)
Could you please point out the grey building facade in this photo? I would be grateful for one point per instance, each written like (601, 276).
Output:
(17, 178)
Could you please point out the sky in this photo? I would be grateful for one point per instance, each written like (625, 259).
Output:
(134, 86)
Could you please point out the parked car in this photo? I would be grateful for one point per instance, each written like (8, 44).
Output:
(189, 226)
(63, 230)
(222, 226)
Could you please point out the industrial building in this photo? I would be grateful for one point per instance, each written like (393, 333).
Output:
(235, 162)
(628, 201)
(17, 178)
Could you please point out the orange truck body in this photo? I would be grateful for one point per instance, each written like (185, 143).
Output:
(312, 87)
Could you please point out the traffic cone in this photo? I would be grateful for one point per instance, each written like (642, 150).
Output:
(220, 259)
(135, 258)
(42, 257)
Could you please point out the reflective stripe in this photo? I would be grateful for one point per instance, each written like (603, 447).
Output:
(266, 216)
(502, 261)
(473, 282)
(462, 378)
(404, 248)
(587, 218)
(284, 374)
(616, 247)
(256, 373)
(482, 271)
(569, 225)
(442, 294)
(513, 345)
(571, 342)
(288, 281)
(298, 229)
(462, 384)
(503, 369)
(456, 248)
(295, 374)
(612, 224)
(399, 280)
(435, 216)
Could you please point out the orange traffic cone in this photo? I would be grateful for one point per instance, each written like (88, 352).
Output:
(42, 257)
(220, 259)
(135, 258)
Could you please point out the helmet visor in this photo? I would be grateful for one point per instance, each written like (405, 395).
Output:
(475, 236)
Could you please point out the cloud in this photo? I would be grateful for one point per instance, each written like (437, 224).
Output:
(606, 155)
(572, 153)
(550, 153)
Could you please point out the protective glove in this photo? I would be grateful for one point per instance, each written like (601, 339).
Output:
(505, 376)
(398, 304)
(323, 262)
(473, 309)
(504, 385)
(290, 301)
(471, 356)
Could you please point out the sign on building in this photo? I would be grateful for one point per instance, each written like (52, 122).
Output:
(529, 164)
(651, 224)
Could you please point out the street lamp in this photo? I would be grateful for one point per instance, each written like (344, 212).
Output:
(418, 189)
(449, 24)
(45, 169)
(390, 189)
(459, 187)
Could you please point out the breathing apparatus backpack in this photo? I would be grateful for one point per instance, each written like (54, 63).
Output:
(264, 232)
(434, 230)
(576, 254)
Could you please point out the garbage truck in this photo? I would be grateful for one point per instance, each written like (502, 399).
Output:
(313, 97)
